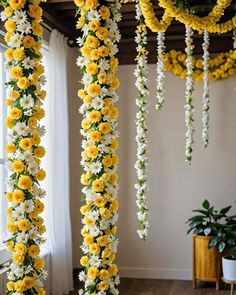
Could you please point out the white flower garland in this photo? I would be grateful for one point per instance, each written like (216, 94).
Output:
(189, 108)
(206, 92)
(98, 45)
(141, 137)
(160, 69)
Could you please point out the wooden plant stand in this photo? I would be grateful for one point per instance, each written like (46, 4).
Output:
(206, 262)
(231, 283)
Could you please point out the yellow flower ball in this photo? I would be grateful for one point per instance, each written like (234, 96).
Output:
(39, 152)
(10, 286)
(104, 12)
(34, 251)
(16, 4)
(40, 175)
(94, 89)
(38, 264)
(25, 182)
(18, 196)
(103, 286)
(10, 148)
(23, 83)
(98, 185)
(84, 261)
(19, 54)
(10, 26)
(9, 53)
(93, 273)
(18, 166)
(15, 113)
(24, 224)
(26, 144)
(38, 206)
(92, 152)
(105, 128)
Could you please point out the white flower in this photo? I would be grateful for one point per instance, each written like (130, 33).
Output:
(20, 17)
(24, 28)
(95, 167)
(27, 101)
(19, 272)
(28, 63)
(15, 40)
(95, 261)
(18, 213)
(82, 276)
(97, 103)
(27, 206)
(22, 237)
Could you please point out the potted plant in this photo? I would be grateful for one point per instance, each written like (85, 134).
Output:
(205, 225)
(225, 241)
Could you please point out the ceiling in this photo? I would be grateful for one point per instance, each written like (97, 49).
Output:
(60, 14)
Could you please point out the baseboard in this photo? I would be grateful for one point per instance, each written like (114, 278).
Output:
(155, 273)
(151, 273)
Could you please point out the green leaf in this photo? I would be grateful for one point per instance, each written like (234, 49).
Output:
(225, 210)
(221, 247)
(206, 205)
(207, 231)
(213, 242)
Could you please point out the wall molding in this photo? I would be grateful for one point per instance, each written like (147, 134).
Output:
(155, 273)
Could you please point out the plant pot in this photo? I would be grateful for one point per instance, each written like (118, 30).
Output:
(206, 262)
(229, 268)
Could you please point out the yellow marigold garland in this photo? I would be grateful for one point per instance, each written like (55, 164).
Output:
(97, 23)
(221, 66)
(25, 95)
(193, 21)
(151, 20)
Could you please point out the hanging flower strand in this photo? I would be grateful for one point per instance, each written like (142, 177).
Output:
(141, 116)
(97, 23)
(25, 96)
(206, 91)
(160, 69)
(189, 108)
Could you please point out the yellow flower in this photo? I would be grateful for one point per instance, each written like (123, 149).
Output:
(25, 182)
(92, 68)
(9, 196)
(94, 25)
(18, 166)
(94, 116)
(94, 249)
(102, 241)
(91, 4)
(100, 201)
(95, 136)
(88, 221)
(107, 161)
(38, 206)
(16, 72)
(93, 273)
(40, 174)
(10, 148)
(15, 113)
(104, 12)
(10, 286)
(16, 4)
(38, 264)
(113, 269)
(24, 224)
(92, 152)
(19, 54)
(40, 152)
(88, 239)
(18, 196)
(35, 11)
(9, 53)
(28, 42)
(11, 227)
(26, 144)
(94, 89)
(84, 261)
(79, 3)
(104, 274)
(102, 33)
(20, 248)
(23, 83)
(114, 206)
(20, 286)
(8, 11)
(10, 25)
(105, 128)
(33, 251)
(92, 42)
(103, 286)
(35, 139)
(98, 185)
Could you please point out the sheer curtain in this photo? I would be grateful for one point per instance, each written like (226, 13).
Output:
(58, 212)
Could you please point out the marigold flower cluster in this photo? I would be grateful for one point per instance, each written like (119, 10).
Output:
(97, 22)
(25, 95)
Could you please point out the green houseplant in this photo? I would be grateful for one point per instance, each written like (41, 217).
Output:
(206, 224)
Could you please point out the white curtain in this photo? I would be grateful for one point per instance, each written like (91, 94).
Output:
(58, 195)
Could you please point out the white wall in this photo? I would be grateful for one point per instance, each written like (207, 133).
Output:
(175, 187)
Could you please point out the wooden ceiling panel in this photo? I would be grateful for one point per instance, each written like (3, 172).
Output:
(60, 14)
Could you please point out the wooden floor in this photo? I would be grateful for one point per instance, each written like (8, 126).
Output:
(162, 287)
